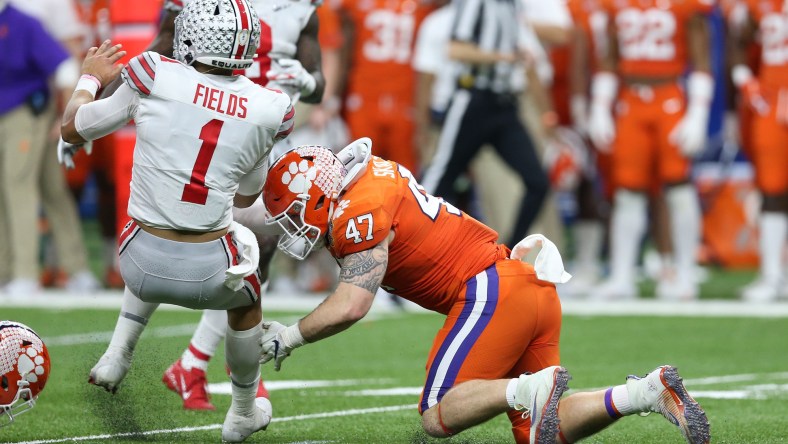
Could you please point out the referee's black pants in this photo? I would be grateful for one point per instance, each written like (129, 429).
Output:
(478, 117)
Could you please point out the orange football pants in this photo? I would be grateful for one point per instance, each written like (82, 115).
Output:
(505, 322)
(770, 146)
(642, 154)
(388, 121)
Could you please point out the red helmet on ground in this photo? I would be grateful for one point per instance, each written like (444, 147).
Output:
(24, 369)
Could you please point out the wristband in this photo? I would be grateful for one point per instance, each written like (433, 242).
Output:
(741, 74)
(292, 337)
(88, 83)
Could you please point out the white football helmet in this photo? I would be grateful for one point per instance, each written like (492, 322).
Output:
(24, 369)
(220, 33)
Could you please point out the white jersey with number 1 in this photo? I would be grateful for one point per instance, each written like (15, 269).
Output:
(200, 139)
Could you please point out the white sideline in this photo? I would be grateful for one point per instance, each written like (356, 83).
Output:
(304, 302)
(334, 414)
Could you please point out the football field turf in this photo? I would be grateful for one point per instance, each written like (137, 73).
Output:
(363, 385)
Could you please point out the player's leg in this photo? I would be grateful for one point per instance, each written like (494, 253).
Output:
(769, 158)
(684, 210)
(247, 413)
(114, 364)
(589, 233)
(482, 339)
(134, 315)
(632, 159)
(662, 391)
(514, 144)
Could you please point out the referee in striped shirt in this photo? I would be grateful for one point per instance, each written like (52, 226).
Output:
(484, 108)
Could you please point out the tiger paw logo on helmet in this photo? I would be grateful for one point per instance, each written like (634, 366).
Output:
(24, 369)
(299, 177)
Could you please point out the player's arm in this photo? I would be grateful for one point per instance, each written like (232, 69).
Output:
(308, 53)
(360, 276)
(604, 90)
(579, 73)
(739, 41)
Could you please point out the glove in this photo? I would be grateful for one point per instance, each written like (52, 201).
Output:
(290, 72)
(750, 89)
(690, 133)
(66, 152)
(601, 128)
(278, 341)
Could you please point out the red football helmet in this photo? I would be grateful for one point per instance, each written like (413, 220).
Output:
(299, 195)
(24, 369)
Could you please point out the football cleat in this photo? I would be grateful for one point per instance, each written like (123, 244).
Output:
(613, 290)
(537, 395)
(762, 290)
(110, 370)
(237, 428)
(191, 385)
(662, 391)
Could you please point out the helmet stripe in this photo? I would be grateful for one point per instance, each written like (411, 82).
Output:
(243, 12)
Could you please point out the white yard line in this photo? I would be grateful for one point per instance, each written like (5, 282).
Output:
(334, 414)
(304, 302)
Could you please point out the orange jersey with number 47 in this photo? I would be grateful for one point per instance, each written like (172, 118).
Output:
(652, 34)
(436, 247)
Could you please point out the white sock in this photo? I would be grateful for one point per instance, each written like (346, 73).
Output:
(134, 316)
(620, 398)
(685, 221)
(511, 388)
(773, 227)
(588, 242)
(206, 338)
(626, 229)
(243, 357)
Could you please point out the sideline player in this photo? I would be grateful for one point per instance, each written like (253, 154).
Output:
(767, 96)
(657, 130)
(204, 135)
(503, 317)
(288, 59)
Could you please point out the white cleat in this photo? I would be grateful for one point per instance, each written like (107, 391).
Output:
(537, 395)
(237, 428)
(110, 370)
(762, 290)
(662, 391)
(614, 290)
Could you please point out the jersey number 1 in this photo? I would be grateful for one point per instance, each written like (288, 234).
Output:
(195, 191)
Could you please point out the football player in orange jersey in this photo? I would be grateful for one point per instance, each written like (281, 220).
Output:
(658, 128)
(379, 80)
(498, 351)
(767, 96)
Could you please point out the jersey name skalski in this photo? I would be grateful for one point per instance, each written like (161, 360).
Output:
(197, 136)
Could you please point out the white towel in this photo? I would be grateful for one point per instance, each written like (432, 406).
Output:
(250, 257)
(548, 265)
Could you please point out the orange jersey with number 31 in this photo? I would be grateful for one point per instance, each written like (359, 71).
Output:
(652, 34)
(436, 247)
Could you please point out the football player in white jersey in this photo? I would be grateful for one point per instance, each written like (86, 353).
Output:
(203, 139)
(288, 59)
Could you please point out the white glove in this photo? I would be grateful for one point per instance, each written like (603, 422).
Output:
(290, 72)
(690, 133)
(278, 341)
(66, 152)
(601, 127)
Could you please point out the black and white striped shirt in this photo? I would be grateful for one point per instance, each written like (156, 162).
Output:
(493, 26)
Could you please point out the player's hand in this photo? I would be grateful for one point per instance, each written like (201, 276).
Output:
(751, 91)
(290, 72)
(66, 152)
(102, 62)
(273, 344)
(690, 133)
(601, 128)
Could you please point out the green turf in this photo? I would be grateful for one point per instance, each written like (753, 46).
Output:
(391, 352)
